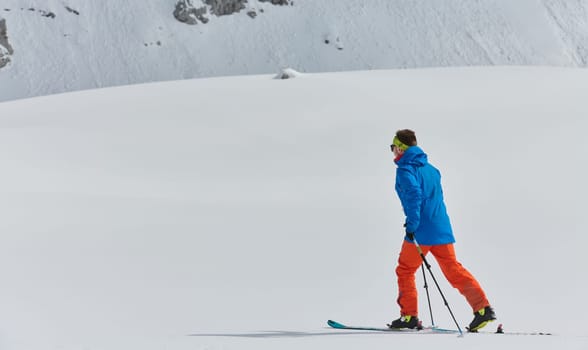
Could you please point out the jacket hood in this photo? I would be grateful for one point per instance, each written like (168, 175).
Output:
(414, 155)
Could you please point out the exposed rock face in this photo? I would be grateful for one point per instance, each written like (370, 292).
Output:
(186, 12)
(5, 48)
(71, 10)
(225, 7)
(277, 2)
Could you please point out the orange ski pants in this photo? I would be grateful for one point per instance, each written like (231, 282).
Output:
(460, 278)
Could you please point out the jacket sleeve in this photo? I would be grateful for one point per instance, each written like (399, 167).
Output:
(411, 197)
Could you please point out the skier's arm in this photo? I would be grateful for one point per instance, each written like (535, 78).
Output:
(411, 198)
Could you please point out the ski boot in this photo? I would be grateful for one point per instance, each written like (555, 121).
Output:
(410, 322)
(481, 318)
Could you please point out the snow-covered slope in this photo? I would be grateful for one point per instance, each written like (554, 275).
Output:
(79, 44)
(246, 211)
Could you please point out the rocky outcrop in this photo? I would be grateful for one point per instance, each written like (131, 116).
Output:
(225, 7)
(72, 10)
(277, 2)
(186, 12)
(5, 48)
(288, 73)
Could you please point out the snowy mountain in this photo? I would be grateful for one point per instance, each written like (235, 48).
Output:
(52, 46)
(243, 212)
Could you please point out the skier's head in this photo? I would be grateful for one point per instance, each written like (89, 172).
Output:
(404, 138)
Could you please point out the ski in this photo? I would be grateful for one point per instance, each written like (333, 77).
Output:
(338, 325)
(436, 330)
(500, 330)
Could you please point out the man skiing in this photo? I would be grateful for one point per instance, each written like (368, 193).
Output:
(418, 185)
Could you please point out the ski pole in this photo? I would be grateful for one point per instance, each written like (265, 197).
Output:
(437, 284)
(428, 297)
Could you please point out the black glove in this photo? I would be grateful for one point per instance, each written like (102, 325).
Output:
(409, 235)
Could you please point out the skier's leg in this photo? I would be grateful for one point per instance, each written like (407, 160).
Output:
(408, 263)
(459, 277)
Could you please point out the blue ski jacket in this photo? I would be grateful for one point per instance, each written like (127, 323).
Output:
(418, 185)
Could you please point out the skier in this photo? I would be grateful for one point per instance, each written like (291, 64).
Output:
(418, 185)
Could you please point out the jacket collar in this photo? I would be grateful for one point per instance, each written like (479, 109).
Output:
(414, 155)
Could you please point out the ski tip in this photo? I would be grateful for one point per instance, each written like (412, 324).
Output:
(334, 324)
